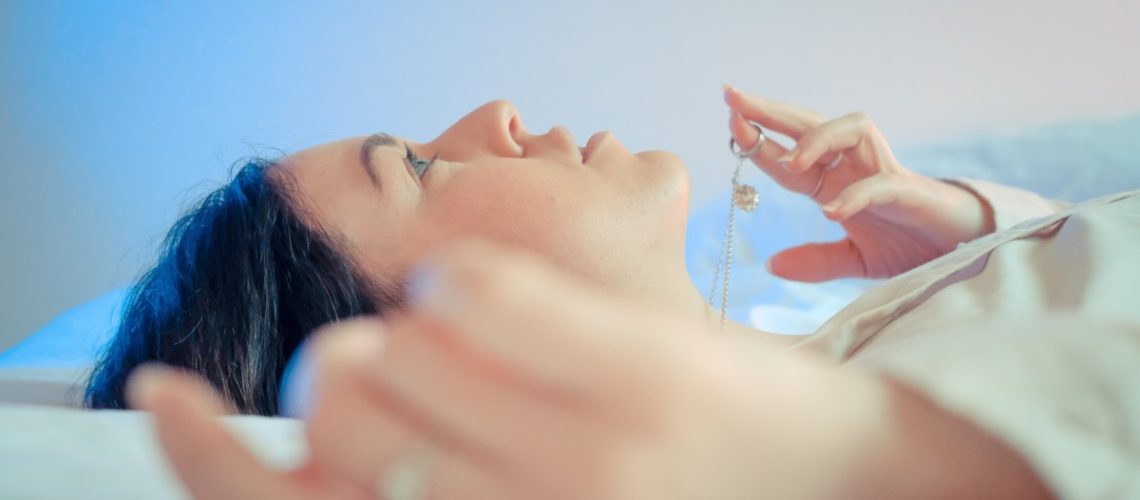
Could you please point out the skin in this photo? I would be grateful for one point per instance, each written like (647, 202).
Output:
(616, 220)
(574, 350)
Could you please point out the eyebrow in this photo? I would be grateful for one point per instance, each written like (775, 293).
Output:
(372, 142)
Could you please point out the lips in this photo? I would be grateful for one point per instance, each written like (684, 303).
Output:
(593, 144)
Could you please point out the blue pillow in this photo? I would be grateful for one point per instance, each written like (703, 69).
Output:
(72, 340)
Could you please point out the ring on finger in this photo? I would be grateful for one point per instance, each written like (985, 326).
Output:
(407, 477)
(760, 140)
(823, 173)
(834, 163)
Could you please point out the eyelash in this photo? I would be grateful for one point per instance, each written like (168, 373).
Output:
(419, 165)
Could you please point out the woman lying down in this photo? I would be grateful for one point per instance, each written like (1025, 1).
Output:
(530, 330)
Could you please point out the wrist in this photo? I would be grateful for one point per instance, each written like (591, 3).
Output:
(977, 213)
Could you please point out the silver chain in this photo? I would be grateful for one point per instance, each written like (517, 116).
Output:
(724, 262)
(746, 198)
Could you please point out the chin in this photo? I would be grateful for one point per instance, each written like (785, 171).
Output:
(672, 187)
(674, 173)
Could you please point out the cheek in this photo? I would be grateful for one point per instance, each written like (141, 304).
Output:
(591, 223)
(529, 209)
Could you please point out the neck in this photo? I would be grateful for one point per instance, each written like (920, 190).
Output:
(711, 316)
(676, 292)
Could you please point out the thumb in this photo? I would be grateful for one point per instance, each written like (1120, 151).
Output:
(818, 262)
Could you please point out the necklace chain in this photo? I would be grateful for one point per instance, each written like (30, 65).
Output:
(724, 262)
(746, 198)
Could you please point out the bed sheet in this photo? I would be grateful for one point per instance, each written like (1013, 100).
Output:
(54, 453)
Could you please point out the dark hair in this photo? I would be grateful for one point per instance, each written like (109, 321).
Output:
(240, 283)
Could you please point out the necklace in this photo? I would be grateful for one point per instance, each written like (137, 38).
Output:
(744, 197)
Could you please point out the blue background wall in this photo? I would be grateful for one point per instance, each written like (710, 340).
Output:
(115, 114)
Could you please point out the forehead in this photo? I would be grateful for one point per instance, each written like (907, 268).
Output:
(334, 192)
(333, 188)
(318, 160)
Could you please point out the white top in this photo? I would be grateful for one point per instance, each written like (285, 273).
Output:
(1033, 333)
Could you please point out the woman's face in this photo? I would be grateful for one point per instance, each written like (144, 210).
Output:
(599, 212)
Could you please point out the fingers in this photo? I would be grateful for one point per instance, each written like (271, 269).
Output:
(512, 372)
(351, 430)
(746, 136)
(538, 323)
(485, 410)
(208, 459)
(876, 190)
(766, 158)
(788, 119)
(853, 134)
(851, 139)
(359, 432)
(833, 137)
(818, 262)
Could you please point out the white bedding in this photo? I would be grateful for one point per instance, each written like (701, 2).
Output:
(56, 453)
(46, 386)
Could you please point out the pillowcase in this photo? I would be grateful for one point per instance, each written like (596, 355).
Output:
(71, 340)
(51, 366)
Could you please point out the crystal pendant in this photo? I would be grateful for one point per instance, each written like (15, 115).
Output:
(745, 197)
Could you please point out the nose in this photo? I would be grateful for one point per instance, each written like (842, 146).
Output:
(494, 129)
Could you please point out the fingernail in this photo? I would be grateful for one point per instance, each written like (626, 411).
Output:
(296, 390)
(730, 94)
(786, 161)
(432, 290)
(424, 285)
(833, 206)
(144, 383)
(143, 388)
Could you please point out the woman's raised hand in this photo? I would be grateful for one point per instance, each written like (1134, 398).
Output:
(507, 380)
(895, 219)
